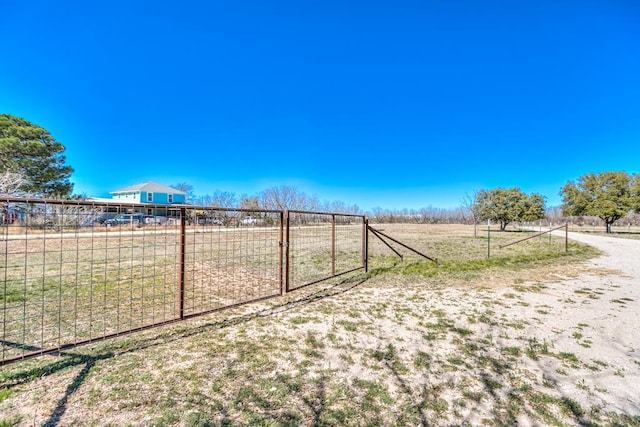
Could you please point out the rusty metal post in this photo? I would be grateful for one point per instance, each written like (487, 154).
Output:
(566, 237)
(286, 250)
(365, 244)
(333, 245)
(488, 238)
(183, 246)
(280, 253)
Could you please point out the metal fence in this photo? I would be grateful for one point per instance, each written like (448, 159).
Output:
(322, 245)
(73, 272)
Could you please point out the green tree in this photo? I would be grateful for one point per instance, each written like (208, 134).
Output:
(506, 205)
(607, 195)
(635, 193)
(30, 151)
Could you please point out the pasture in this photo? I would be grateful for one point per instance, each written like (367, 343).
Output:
(472, 339)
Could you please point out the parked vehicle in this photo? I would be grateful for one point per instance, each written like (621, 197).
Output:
(157, 220)
(209, 220)
(125, 219)
(8, 218)
(248, 221)
(104, 217)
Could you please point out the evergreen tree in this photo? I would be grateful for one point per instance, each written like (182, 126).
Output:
(30, 151)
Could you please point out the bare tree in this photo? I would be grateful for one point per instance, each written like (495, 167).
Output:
(10, 183)
(286, 197)
(338, 206)
(554, 214)
(471, 207)
(187, 189)
(221, 199)
(247, 202)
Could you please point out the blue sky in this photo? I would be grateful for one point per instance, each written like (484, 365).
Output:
(402, 104)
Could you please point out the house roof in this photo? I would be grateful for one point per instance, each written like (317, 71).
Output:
(114, 202)
(152, 187)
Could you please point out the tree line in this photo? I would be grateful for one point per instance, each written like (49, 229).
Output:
(280, 197)
(32, 163)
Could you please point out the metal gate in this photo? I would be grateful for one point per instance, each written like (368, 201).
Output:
(72, 274)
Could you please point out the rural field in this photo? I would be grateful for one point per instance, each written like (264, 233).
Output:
(521, 335)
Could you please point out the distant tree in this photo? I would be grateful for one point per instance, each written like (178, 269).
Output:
(607, 195)
(286, 197)
(248, 202)
(338, 206)
(280, 197)
(635, 193)
(471, 207)
(221, 199)
(187, 189)
(10, 183)
(508, 205)
(554, 214)
(30, 151)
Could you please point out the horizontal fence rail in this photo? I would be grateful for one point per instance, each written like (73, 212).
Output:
(77, 271)
(566, 237)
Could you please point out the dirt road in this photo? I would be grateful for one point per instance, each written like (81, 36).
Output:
(596, 316)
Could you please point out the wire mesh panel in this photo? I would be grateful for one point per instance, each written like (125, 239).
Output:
(349, 243)
(231, 257)
(76, 272)
(323, 245)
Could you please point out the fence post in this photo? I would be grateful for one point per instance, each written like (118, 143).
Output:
(566, 237)
(183, 245)
(488, 238)
(333, 245)
(365, 244)
(286, 251)
(280, 253)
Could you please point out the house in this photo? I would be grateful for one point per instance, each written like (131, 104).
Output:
(146, 193)
(150, 192)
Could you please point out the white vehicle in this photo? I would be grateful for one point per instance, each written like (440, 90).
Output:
(151, 219)
(248, 221)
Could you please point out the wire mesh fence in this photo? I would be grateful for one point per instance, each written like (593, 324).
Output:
(322, 245)
(75, 271)
(233, 264)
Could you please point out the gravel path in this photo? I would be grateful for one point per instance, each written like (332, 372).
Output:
(602, 308)
(620, 254)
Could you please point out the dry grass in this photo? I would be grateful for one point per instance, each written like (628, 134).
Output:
(62, 288)
(407, 344)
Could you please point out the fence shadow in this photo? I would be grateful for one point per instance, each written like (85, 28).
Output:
(88, 361)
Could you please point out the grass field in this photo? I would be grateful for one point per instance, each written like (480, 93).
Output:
(62, 288)
(409, 343)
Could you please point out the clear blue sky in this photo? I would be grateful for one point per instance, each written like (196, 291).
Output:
(395, 104)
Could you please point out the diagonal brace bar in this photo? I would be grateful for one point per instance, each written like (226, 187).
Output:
(375, 233)
(379, 233)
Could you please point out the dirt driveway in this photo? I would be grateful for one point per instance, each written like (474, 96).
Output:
(596, 316)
